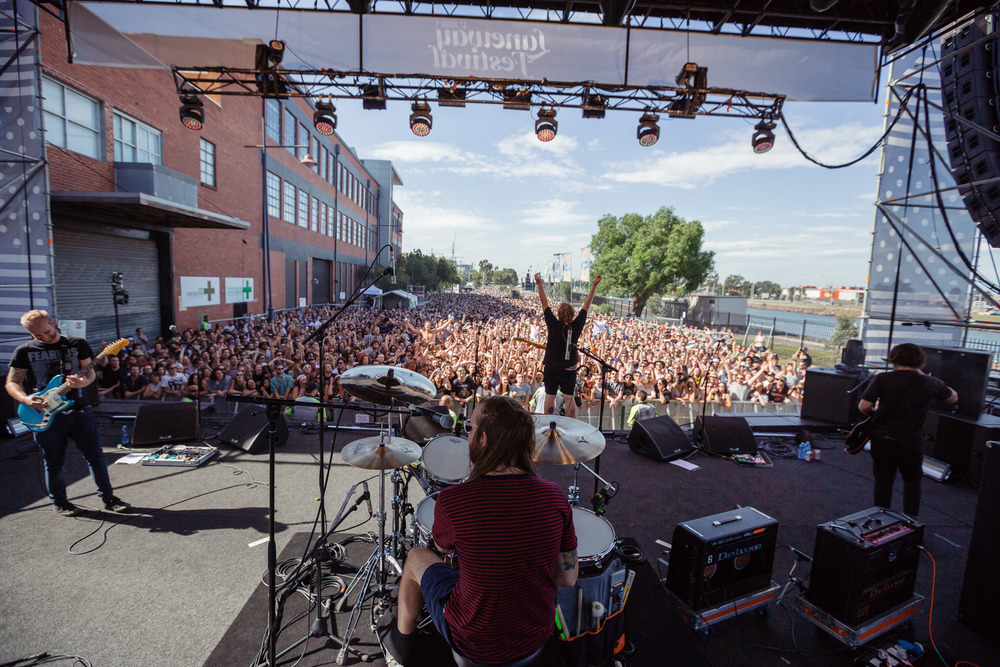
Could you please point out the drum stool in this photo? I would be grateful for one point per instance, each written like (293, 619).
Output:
(462, 661)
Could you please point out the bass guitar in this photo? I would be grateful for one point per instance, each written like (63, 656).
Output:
(40, 420)
(861, 434)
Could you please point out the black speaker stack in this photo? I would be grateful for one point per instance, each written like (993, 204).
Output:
(722, 557)
(981, 585)
(831, 396)
(965, 370)
(970, 94)
(864, 564)
(660, 439)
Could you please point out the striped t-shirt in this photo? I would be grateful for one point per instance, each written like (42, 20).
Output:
(507, 532)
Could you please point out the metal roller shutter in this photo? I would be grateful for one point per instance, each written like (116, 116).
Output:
(84, 264)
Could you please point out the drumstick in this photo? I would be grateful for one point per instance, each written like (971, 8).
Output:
(579, 609)
(560, 621)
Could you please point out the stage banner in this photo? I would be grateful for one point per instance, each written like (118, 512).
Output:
(585, 265)
(199, 291)
(240, 290)
(567, 268)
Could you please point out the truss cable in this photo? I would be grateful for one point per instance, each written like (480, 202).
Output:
(892, 124)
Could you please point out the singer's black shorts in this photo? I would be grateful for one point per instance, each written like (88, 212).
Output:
(564, 381)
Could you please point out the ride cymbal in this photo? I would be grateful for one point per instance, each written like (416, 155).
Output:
(374, 454)
(384, 385)
(563, 441)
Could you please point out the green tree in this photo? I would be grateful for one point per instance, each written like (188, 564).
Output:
(643, 256)
(416, 268)
(486, 272)
(844, 331)
(734, 285)
(505, 277)
(766, 287)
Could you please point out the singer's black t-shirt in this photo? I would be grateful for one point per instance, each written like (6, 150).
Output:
(43, 362)
(555, 345)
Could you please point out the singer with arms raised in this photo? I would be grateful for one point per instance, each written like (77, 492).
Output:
(37, 362)
(561, 357)
(513, 535)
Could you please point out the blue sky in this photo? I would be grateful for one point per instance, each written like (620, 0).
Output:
(483, 179)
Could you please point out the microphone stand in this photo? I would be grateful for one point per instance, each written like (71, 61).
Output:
(320, 333)
(605, 367)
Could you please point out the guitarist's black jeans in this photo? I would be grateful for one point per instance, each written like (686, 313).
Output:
(888, 455)
(81, 427)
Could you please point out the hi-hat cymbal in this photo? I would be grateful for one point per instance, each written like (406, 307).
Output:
(373, 454)
(562, 440)
(383, 385)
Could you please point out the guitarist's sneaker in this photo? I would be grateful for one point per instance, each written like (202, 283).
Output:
(116, 505)
(66, 508)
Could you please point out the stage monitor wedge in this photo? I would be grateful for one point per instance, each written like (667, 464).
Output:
(159, 424)
(248, 431)
(660, 439)
(725, 435)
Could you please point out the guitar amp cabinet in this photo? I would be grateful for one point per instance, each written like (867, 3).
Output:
(864, 564)
(722, 557)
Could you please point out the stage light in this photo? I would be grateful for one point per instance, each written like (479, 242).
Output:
(325, 118)
(266, 58)
(546, 125)
(192, 112)
(372, 97)
(684, 78)
(420, 119)
(648, 131)
(763, 137)
(594, 105)
(275, 52)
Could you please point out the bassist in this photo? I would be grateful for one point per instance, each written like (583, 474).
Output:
(48, 355)
(904, 397)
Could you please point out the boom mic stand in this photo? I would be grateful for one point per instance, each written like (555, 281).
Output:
(605, 367)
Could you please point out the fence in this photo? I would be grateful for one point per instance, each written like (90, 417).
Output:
(682, 413)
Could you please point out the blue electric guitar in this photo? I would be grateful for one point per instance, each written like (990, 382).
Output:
(40, 420)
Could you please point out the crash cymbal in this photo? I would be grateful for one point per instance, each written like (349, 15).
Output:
(372, 454)
(384, 385)
(562, 440)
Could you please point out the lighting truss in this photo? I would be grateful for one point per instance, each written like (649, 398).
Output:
(664, 100)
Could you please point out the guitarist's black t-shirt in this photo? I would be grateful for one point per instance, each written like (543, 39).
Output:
(903, 397)
(43, 362)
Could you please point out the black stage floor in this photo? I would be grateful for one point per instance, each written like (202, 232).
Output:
(179, 581)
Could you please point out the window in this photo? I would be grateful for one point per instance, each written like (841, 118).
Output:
(135, 141)
(303, 209)
(327, 221)
(340, 226)
(208, 163)
(303, 141)
(288, 138)
(72, 121)
(272, 120)
(315, 214)
(273, 195)
(288, 203)
(322, 159)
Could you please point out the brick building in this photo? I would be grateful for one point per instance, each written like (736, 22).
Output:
(179, 214)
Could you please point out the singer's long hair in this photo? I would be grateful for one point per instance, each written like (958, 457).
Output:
(565, 313)
(505, 437)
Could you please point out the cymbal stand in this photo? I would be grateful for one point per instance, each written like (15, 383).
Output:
(574, 490)
(605, 367)
(375, 567)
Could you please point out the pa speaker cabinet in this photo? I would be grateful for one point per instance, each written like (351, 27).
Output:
(829, 396)
(961, 442)
(248, 431)
(163, 423)
(864, 564)
(725, 435)
(966, 371)
(660, 439)
(719, 558)
(981, 586)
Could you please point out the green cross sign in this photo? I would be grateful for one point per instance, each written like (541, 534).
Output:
(247, 290)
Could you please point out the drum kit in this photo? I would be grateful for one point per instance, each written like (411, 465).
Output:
(442, 462)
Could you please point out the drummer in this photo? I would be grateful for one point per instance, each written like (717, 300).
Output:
(513, 535)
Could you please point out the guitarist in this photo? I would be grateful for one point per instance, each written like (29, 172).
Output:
(904, 397)
(48, 355)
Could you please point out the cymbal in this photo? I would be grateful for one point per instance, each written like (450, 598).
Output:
(372, 454)
(384, 385)
(562, 440)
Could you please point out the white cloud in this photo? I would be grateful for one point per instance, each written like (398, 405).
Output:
(706, 165)
(404, 152)
(556, 213)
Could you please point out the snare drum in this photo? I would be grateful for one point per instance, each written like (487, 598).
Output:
(445, 461)
(423, 521)
(595, 540)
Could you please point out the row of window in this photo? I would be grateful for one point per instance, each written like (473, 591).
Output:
(73, 121)
(297, 207)
(298, 140)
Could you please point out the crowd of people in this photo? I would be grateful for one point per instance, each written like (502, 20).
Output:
(469, 345)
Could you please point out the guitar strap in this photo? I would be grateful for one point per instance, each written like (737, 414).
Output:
(67, 366)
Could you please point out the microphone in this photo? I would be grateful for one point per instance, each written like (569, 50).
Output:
(173, 330)
(392, 261)
(445, 421)
(603, 496)
(368, 499)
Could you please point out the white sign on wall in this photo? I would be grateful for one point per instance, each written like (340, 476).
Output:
(76, 328)
(199, 291)
(240, 290)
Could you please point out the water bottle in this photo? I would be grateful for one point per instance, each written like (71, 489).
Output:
(126, 438)
(803, 449)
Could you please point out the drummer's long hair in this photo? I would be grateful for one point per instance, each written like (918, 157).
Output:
(510, 437)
